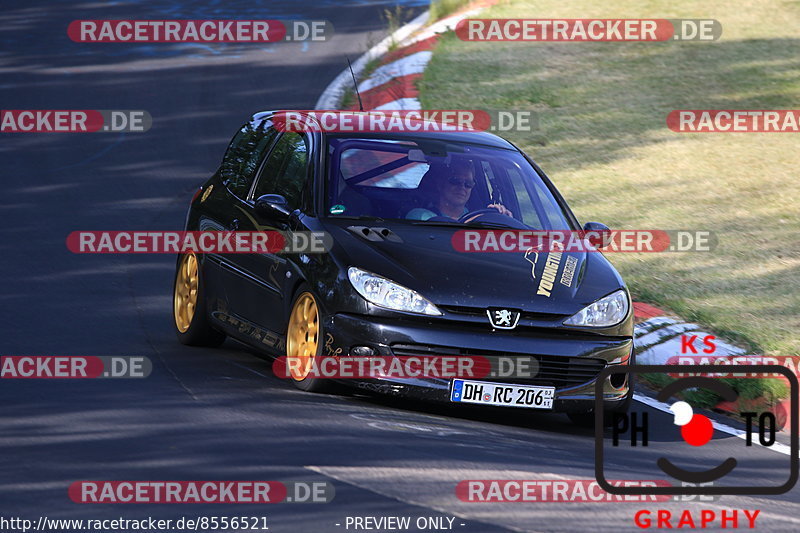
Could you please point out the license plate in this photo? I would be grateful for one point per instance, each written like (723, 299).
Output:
(486, 393)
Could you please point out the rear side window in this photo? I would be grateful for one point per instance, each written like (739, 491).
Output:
(286, 170)
(244, 155)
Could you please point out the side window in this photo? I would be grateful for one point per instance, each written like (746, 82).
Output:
(244, 154)
(548, 214)
(286, 170)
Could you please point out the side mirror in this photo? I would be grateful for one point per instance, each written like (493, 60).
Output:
(595, 226)
(599, 234)
(273, 206)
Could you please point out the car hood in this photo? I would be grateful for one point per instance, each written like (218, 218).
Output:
(422, 258)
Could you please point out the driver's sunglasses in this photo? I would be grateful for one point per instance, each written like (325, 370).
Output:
(456, 182)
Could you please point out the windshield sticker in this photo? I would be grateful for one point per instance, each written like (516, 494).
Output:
(569, 271)
(338, 209)
(532, 256)
(549, 272)
(206, 193)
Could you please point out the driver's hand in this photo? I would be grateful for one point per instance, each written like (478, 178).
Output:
(500, 207)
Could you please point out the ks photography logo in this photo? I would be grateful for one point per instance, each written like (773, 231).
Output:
(636, 438)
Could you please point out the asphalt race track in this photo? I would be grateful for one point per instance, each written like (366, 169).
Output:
(220, 414)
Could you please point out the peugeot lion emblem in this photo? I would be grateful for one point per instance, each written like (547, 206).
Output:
(501, 318)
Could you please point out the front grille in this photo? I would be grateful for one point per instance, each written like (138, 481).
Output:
(478, 312)
(558, 371)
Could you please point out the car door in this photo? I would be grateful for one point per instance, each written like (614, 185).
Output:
(227, 285)
(286, 171)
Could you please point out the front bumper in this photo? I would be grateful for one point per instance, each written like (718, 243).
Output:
(568, 360)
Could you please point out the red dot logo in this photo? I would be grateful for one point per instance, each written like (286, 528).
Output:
(696, 430)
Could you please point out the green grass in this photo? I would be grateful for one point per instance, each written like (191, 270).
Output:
(441, 8)
(394, 20)
(349, 97)
(604, 142)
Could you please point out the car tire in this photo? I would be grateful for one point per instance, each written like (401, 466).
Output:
(189, 305)
(303, 340)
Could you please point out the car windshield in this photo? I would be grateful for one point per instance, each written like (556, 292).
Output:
(428, 181)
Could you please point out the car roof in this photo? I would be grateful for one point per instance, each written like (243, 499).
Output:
(473, 137)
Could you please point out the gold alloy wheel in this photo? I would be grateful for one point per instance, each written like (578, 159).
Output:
(302, 339)
(185, 298)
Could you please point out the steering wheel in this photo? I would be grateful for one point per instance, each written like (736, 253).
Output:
(478, 212)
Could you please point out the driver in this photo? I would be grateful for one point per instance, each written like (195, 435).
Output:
(454, 190)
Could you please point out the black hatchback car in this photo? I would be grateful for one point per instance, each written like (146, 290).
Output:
(391, 283)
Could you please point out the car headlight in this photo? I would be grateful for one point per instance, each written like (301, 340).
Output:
(386, 293)
(607, 311)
